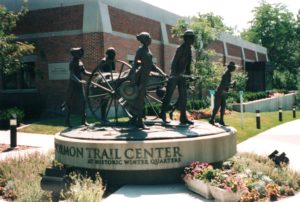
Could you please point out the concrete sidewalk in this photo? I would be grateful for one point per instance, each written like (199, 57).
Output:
(284, 138)
(43, 143)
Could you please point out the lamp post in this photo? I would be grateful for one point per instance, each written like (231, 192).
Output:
(294, 111)
(280, 114)
(13, 131)
(258, 119)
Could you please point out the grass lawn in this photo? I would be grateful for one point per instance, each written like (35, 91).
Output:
(53, 126)
(49, 126)
(268, 120)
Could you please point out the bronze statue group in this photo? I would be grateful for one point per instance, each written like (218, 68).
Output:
(139, 76)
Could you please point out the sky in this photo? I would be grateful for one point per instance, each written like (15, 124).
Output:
(235, 13)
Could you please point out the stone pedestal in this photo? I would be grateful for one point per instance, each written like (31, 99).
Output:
(126, 155)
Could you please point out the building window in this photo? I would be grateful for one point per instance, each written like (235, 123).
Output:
(27, 76)
(23, 79)
(10, 82)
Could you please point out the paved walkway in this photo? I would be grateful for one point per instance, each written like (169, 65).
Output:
(43, 143)
(284, 138)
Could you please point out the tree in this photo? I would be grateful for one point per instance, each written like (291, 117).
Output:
(274, 27)
(207, 27)
(11, 50)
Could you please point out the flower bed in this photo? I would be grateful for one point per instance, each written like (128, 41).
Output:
(244, 178)
(197, 175)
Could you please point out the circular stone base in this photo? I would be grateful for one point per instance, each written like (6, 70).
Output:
(134, 156)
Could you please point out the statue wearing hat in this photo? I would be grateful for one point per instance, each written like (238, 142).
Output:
(139, 75)
(221, 94)
(181, 66)
(107, 65)
(75, 100)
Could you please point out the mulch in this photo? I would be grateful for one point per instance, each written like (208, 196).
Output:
(7, 148)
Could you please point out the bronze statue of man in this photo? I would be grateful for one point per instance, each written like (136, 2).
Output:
(75, 100)
(181, 66)
(221, 94)
(107, 65)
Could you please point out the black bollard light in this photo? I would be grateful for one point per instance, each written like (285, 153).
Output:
(13, 131)
(280, 114)
(294, 111)
(257, 119)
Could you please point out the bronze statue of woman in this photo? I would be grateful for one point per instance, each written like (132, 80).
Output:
(75, 100)
(139, 74)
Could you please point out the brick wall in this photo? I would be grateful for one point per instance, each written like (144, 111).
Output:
(250, 54)
(129, 23)
(51, 20)
(236, 60)
(234, 50)
(57, 50)
(217, 46)
(125, 47)
(168, 56)
(173, 40)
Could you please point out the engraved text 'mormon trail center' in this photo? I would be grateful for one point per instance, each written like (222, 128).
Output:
(114, 153)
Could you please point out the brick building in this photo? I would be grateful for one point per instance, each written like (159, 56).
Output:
(54, 26)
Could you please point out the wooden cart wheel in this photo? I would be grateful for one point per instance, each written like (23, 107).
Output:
(102, 88)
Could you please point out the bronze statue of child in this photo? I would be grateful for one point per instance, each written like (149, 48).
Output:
(107, 65)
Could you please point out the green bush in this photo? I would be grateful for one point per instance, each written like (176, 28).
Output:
(85, 189)
(20, 180)
(149, 110)
(250, 96)
(20, 177)
(263, 166)
(241, 80)
(284, 91)
(198, 104)
(298, 97)
(7, 114)
(298, 87)
(229, 101)
(191, 105)
(283, 79)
